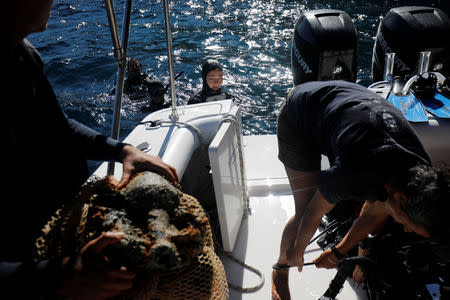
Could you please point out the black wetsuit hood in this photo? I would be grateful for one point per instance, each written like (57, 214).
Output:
(206, 93)
(208, 66)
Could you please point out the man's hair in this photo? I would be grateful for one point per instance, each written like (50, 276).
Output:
(428, 202)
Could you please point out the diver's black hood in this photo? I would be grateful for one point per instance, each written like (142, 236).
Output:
(208, 66)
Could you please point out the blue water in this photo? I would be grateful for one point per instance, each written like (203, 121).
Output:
(250, 37)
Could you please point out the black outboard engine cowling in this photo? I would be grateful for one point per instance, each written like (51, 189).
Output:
(324, 47)
(407, 31)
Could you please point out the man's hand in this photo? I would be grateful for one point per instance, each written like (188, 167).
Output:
(327, 260)
(134, 160)
(88, 275)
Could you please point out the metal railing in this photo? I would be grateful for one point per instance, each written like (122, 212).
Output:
(174, 115)
(120, 53)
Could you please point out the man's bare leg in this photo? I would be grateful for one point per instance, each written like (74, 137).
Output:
(303, 185)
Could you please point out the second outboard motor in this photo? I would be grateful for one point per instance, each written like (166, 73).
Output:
(324, 47)
(407, 31)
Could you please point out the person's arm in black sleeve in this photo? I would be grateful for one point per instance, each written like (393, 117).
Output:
(41, 279)
(94, 145)
(197, 98)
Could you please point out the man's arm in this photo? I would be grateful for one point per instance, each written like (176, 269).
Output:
(102, 148)
(40, 277)
(93, 144)
(373, 218)
(316, 209)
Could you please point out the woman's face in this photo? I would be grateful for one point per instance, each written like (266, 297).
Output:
(214, 79)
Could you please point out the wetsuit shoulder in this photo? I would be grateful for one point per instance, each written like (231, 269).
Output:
(197, 97)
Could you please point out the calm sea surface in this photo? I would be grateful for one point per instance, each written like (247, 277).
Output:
(251, 38)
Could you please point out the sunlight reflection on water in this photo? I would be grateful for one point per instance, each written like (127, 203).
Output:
(250, 38)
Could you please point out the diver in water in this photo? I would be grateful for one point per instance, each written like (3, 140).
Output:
(158, 96)
(375, 158)
(135, 85)
(138, 85)
(212, 77)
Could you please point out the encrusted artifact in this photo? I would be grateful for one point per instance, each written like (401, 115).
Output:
(167, 241)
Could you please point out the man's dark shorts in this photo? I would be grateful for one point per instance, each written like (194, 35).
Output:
(297, 148)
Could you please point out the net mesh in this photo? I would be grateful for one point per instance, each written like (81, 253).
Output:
(196, 273)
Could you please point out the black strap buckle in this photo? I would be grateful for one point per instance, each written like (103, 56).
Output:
(337, 253)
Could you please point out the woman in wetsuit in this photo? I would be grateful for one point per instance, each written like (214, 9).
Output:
(212, 76)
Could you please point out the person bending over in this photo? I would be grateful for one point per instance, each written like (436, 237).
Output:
(375, 157)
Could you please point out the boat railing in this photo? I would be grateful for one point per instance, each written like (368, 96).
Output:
(174, 115)
(120, 53)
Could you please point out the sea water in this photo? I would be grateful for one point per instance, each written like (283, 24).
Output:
(251, 38)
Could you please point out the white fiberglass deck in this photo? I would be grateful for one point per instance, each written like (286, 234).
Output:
(258, 242)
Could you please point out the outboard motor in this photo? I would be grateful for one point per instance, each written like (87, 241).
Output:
(324, 47)
(407, 31)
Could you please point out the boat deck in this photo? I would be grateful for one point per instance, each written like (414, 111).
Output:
(270, 199)
(258, 242)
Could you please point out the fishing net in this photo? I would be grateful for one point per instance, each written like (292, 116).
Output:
(167, 242)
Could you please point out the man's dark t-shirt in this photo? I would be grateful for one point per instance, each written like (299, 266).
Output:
(365, 138)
